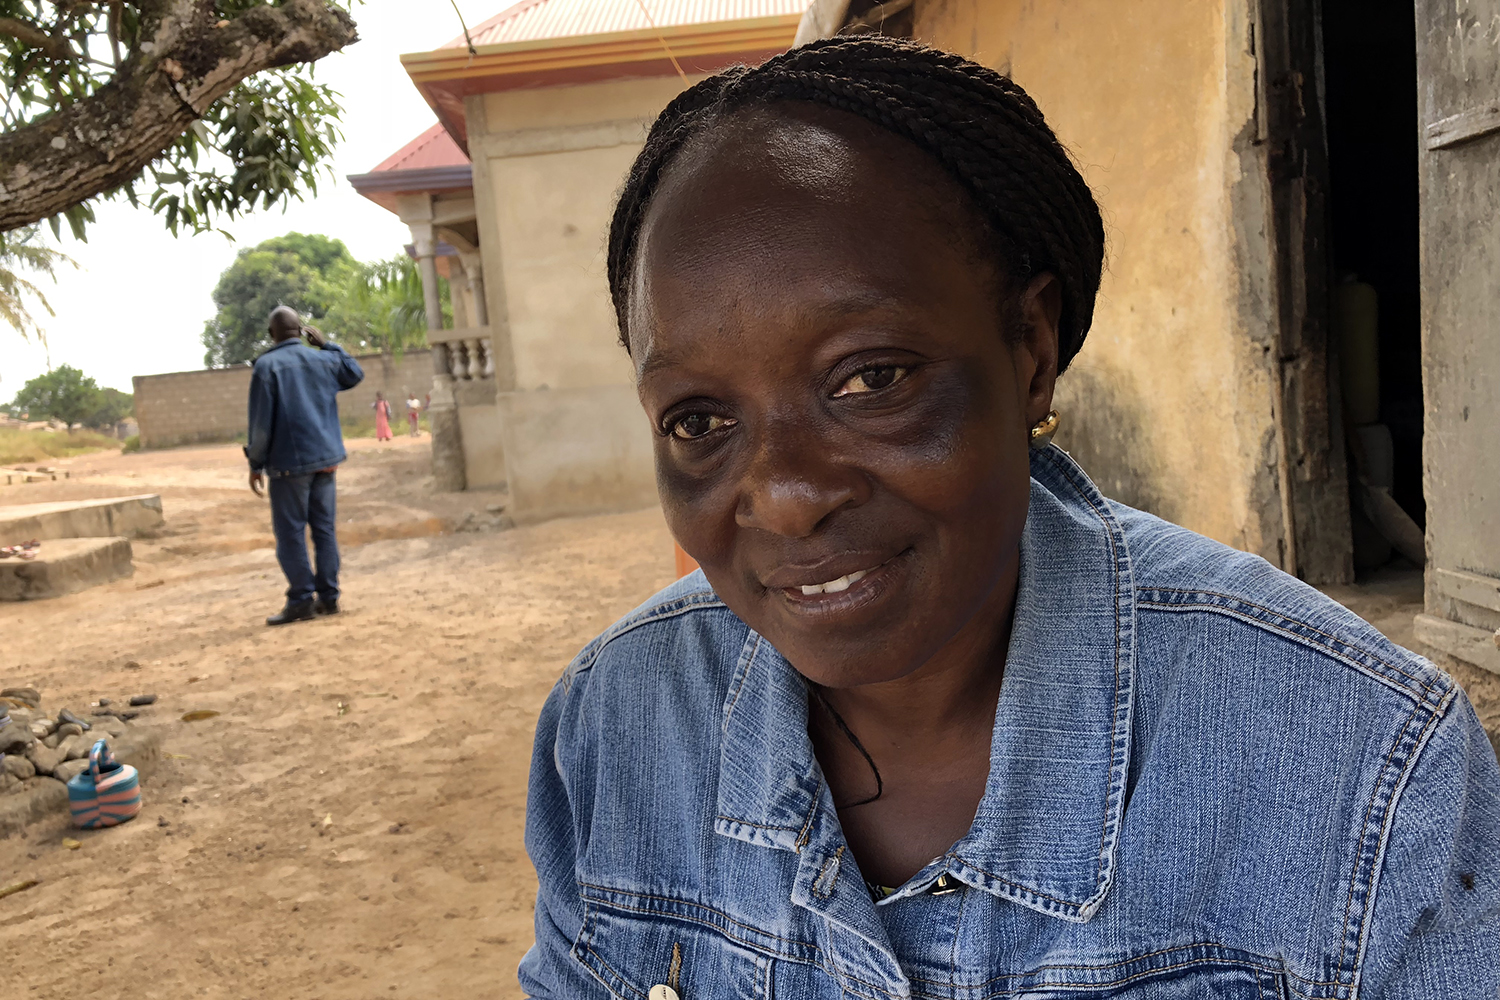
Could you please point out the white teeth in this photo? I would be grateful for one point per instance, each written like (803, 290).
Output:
(835, 586)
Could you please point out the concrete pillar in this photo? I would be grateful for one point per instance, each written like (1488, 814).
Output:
(474, 268)
(459, 286)
(447, 438)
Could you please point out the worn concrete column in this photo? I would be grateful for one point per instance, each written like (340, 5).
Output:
(474, 269)
(447, 438)
(458, 285)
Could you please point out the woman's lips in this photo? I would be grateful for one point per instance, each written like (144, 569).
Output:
(842, 594)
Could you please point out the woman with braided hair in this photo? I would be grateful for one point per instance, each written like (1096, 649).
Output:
(937, 719)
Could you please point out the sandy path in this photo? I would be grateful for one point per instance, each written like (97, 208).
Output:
(444, 655)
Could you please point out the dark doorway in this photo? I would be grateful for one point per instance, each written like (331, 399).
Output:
(1370, 90)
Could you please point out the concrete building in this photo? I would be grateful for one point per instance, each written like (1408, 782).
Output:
(1295, 323)
(541, 111)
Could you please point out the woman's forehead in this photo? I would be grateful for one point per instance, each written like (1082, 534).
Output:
(796, 202)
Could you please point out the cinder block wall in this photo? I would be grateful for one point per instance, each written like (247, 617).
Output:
(212, 405)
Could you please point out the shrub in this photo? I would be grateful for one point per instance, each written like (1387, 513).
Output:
(132, 443)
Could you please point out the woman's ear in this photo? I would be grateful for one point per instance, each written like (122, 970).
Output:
(1041, 311)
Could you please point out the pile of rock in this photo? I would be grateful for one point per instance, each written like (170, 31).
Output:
(37, 744)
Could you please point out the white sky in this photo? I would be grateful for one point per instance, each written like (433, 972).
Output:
(138, 302)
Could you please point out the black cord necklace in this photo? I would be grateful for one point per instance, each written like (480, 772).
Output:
(843, 727)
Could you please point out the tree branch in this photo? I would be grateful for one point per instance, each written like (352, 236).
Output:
(29, 34)
(112, 25)
(105, 140)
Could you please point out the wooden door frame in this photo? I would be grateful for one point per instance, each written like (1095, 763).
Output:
(1290, 131)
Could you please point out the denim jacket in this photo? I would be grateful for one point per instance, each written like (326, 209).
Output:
(1207, 781)
(294, 413)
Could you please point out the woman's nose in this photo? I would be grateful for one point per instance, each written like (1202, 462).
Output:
(793, 484)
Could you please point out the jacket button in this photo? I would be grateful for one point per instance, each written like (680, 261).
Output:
(662, 993)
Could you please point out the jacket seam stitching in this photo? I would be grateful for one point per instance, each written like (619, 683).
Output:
(1264, 963)
(809, 945)
(612, 971)
(1421, 743)
(1100, 886)
(812, 812)
(1348, 964)
(744, 679)
(1146, 601)
(660, 612)
(1067, 904)
(758, 826)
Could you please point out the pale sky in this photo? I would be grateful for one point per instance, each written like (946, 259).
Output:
(138, 302)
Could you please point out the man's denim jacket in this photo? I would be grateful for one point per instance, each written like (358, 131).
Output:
(294, 413)
(1207, 781)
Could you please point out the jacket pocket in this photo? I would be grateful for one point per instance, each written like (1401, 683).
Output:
(629, 953)
(1193, 982)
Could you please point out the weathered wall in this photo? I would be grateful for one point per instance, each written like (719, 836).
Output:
(212, 404)
(547, 164)
(1169, 405)
(554, 210)
(576, 451)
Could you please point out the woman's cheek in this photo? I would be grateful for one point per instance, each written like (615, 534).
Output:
(938, 451)
(698, 504)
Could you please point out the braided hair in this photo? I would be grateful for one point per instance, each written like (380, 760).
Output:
(983, 128)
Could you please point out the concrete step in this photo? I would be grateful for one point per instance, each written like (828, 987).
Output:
(64, 566)
(101, 518)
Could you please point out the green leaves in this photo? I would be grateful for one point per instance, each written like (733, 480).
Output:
(305, 272)
(381, 308)
(375, 306)
(266, 142)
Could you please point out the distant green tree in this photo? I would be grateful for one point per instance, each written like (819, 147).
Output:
(110, 407)
(380, 308)
(306, 272)
(64, 393)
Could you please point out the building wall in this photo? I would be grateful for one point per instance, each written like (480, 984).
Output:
(1169, 406)
(212, 404)
(554, 210)
(547, 165)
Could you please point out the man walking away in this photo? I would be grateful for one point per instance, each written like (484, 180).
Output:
(296, 441)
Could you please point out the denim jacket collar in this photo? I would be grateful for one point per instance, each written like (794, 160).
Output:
(279, 345)
(1046, 830)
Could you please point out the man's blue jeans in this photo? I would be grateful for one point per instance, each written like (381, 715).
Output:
(299, 503)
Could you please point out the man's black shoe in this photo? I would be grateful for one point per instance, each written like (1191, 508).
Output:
(327, 607)
(302, 611)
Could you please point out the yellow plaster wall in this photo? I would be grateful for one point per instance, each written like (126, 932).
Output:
(1168, 405)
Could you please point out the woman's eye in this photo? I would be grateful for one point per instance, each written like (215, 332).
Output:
(873, 380)
(695, 425)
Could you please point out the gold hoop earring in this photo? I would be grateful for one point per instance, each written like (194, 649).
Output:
(1043, 429)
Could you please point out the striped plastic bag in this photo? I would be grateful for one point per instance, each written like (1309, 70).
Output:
(107, 794)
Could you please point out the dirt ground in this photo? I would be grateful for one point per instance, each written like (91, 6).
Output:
(447, 648)
(350, 826)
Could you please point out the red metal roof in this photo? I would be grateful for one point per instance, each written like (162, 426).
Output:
(533, 20)
(433, 148)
